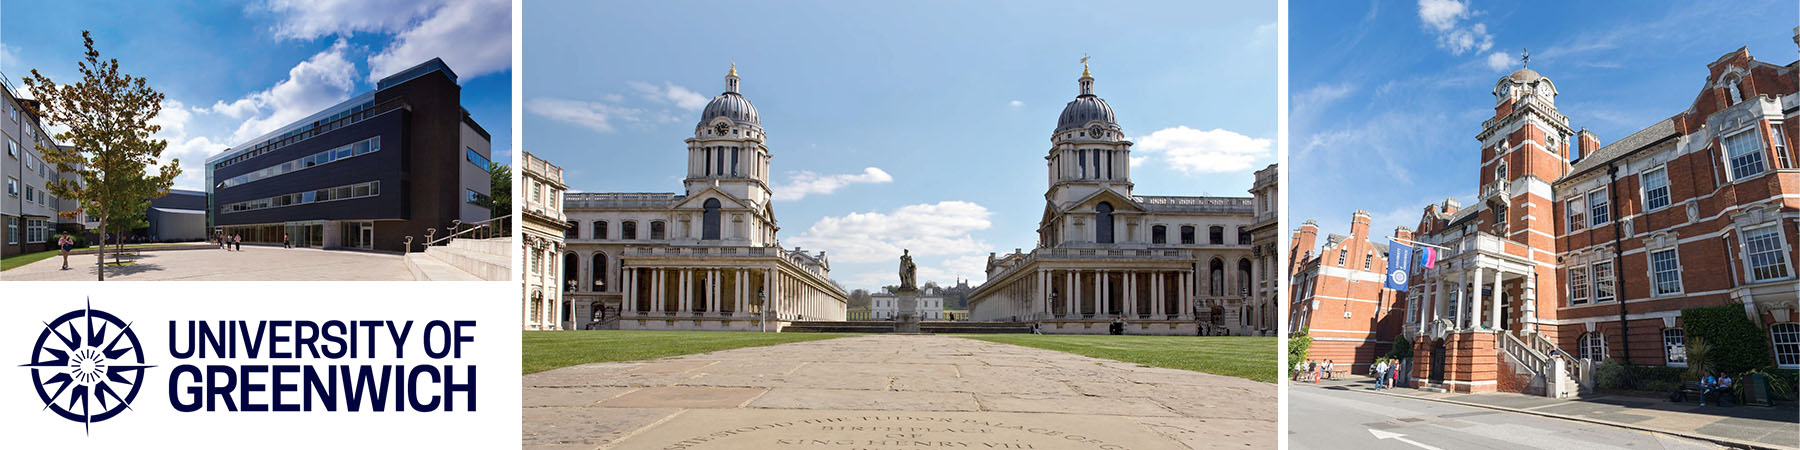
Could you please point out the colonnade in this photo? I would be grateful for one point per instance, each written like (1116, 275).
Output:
(1093, 294)
(724, 292)
(1455, 295)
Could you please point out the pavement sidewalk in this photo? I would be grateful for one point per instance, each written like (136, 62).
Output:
(1741, 426)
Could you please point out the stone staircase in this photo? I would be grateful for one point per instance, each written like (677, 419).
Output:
(1552, 372)
(464, 260)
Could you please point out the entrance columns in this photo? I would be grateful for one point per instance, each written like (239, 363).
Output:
(1463, 309)
(1495, 320)
(1103, 299)
(1528, 303)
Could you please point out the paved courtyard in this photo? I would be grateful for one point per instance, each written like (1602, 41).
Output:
(893, 392)
(254, 263)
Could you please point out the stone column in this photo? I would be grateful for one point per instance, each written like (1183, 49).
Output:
(1462, 297)
(1102, 294)
(1156, 290)
(1494, 321)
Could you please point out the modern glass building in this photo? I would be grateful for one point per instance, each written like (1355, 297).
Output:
(363, 174)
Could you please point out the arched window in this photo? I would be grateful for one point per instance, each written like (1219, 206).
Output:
(1216, 235)
(1159, 234)
(1187, 234)
(1216, 276)
(599, 230)
(537, 305)
(628, 230)
(709, 224)
(571, 274)
(1103, 223)
(574, 230)
(1786, 338)
(599, 274)
(1593, 346)
(1674, 347)
(1244, 277)
(656, 230)
(1243, 236)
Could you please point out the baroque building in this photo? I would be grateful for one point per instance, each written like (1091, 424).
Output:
(1577, 252)
(705, 259)
(541, 236)
(1166, 265)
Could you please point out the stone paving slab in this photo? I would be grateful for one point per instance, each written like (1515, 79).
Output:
(254, 263)
(902, 391)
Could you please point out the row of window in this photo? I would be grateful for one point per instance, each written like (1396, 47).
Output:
(360, 190)
(475, 158)
(358, 148)
(36, 230)
(714, 160)
(628, 230)
(337, 120)
(1744, 155)
(1762, 246)
(43, 198)
(1600, 289)
(1783, 337)
(1100, 170)
(1159, 234)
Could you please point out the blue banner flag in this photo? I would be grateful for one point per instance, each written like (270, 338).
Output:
(1399, 268)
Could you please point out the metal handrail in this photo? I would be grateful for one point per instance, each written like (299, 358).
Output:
(487, 227)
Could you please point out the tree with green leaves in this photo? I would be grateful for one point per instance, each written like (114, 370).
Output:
(499, 199)
(110, 147)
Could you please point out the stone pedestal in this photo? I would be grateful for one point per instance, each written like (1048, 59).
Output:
(906, 319)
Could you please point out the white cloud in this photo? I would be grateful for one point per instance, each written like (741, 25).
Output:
(803, 183)
(1194, 151)
(1500, 61)
(321, 81)
(940, 229)
(473, 37)
(1016, 103)
(175, 118)
(597, 116)
(311, 19)
(670, 93)
(1305, 105)
(1454, 33)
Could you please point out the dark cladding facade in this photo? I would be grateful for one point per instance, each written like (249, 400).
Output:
(366, 173)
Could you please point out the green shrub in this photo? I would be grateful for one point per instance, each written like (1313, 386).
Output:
(1298, 344)
(1738, 345)
(1612, 375)
(1402, 348)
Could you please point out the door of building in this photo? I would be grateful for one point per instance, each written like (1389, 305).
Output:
(365, 235)
(1437, 362)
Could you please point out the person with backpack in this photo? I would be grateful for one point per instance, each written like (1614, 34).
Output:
(66, 243)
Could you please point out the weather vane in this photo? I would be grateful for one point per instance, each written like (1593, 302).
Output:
(1525, 58)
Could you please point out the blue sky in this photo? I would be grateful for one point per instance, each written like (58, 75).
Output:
(1387, 96)
(232, 71)
(916, 125)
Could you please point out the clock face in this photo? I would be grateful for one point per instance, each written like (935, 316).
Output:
(1505, 90)
(1094, 131)
(720, 128)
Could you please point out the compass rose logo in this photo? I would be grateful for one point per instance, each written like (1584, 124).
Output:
(87, 366)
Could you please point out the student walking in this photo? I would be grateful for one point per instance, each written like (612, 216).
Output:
(66, 243)
(237, 242)
(284, 241)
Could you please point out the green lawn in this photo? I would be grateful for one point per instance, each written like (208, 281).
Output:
(19, 260)
(545, 350)
(1252, 358)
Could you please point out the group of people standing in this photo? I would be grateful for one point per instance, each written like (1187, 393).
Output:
(1387, 372)
(230, 243)
(1313, 370)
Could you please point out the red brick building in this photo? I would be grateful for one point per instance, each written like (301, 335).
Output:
(1578, 252)
(1337, 295)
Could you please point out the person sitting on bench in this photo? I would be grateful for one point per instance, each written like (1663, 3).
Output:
(1720, 391)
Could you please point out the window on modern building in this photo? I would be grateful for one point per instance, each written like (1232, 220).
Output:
(1656, 188)
(600, 273)
(1603, 282)
(1599, 209)
(1665, 272)
(1103, 223)
(12, 148)
(1187, 234)
(599, 230)
(30, 194)
(573, 231)
(475, 158)
(709, 220)
(12, 230)
(1786, 339)
(1159, 234)
(1744, 153)
(1578, 285)
(656, 231)
(1216, 278)
(1593, 346)
(1674, 347)
(628, 230)
(12, 186)
(1768, 259)
(1215, 235)
(1577, 214)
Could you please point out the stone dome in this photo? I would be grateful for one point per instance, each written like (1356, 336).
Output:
(730, 105)
(1525, 76)
(1084, 109)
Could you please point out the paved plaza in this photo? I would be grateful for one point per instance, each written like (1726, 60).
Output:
(254, 263)
(893, 392)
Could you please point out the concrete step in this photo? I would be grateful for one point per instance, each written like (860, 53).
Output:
(502, 247)
(482, 265)
(427, 268)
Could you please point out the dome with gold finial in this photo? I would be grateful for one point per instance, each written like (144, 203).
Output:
(1086, 108)
(730, 104)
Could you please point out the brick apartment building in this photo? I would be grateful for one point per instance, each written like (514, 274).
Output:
(1577, 252)
(1338, 296)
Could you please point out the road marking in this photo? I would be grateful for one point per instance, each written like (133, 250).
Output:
(1399, 437)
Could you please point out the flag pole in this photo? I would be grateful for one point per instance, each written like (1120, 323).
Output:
(1413, 242)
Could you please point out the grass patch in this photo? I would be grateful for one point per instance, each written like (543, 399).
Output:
(1248, 357)
(545, 350)
(19, 260)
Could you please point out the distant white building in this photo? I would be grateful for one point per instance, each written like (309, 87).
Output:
(886, 306)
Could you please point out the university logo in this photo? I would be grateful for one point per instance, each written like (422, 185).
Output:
(87, 366)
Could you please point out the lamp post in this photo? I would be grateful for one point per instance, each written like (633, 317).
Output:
(762, 307)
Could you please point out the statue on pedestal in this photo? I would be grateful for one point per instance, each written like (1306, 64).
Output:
(909, 273)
